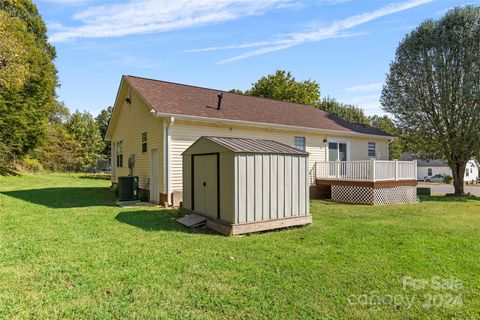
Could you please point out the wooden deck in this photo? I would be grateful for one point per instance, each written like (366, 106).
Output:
(368, 184)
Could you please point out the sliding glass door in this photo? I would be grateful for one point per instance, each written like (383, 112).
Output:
(337, 151)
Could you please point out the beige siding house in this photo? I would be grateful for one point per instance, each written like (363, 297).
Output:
(154, 122)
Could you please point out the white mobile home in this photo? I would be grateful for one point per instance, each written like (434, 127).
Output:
(428, 169)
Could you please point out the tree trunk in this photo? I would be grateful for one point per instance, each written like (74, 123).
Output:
(458, 172)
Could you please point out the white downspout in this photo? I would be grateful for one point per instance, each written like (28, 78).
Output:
(390, 141)
(167, 124)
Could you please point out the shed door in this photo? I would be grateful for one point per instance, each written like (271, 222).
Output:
(205, 188)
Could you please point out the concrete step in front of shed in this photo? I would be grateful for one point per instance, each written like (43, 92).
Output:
(193, 220)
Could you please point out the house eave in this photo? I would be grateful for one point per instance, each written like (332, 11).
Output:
(264, 124)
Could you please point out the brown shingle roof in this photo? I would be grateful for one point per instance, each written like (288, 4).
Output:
(179, 99)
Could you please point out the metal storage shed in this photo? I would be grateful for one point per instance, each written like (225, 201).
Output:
(246, 185)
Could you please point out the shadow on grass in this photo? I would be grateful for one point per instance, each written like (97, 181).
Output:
(65, 197)
(96, 177)
(157, 220)
(449, 198)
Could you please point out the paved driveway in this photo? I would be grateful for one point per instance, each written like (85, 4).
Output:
(448, 188)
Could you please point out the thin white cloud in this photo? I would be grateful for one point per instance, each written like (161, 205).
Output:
(365, 87)
(144, 16)
(264, 43)
(334, 30)
(364, 99)
(369, 103)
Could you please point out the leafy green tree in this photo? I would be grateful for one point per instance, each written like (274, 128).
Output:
(59, 150)
(85, 131)
(283, 86)
(26, 11)
(102, 119)
(28, 80)
(237, 91)
(343, 111)
(13, 43)
(433, 89)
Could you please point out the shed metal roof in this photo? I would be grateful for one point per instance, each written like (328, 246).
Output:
(243, 145)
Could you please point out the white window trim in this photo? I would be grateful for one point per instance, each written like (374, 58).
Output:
(305, 140)
(117, 144)
(339, 140)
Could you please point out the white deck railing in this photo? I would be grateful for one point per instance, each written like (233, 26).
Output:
(368, 170)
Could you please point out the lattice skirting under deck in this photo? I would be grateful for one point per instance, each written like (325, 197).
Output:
(376, 196)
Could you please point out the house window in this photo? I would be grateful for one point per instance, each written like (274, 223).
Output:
(429, 172)
(119, 153)
(144, 142)
(372, 152)
(466, 172)
(300, 143)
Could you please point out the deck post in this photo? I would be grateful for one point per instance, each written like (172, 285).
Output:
(415, 169)
(396, 170)
(372, 170)
(338, 169)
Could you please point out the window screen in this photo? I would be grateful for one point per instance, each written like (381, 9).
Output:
(372, 152)
(300, 143)
(144, 142)
(119, 154)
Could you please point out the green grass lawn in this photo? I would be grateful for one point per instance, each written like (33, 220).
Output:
(67, 252)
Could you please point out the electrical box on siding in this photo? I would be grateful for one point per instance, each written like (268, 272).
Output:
(246, 185)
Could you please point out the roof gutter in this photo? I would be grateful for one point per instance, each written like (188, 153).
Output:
(261, 124)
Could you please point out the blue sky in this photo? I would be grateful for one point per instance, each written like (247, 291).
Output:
(345, 45)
